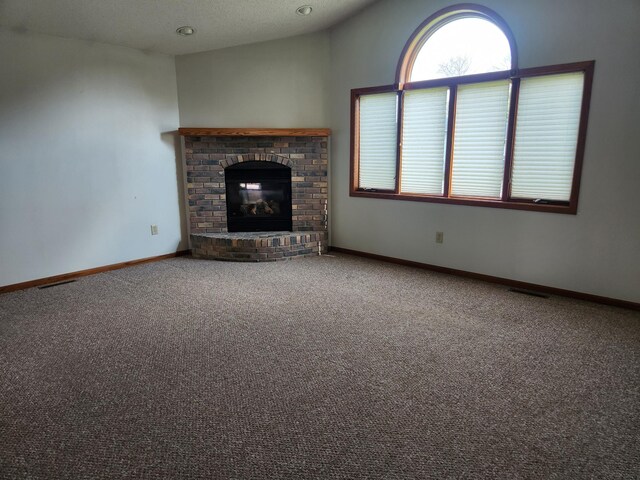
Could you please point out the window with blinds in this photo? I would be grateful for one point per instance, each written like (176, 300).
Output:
(546, 136)
(424, 134)
(378, 141)
(461, 141)
(480, 134)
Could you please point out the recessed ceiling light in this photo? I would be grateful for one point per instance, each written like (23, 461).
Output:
(186, 31)
(304, 10)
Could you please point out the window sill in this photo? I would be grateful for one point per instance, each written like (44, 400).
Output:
(476, 202)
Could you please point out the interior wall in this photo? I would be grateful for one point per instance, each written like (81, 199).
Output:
(596, 251)
(85, 167)
(276, 84)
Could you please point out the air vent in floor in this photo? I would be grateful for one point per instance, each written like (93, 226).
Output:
(56, 284)
(528, 292)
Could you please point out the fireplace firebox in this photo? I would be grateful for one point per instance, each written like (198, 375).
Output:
(258, 197)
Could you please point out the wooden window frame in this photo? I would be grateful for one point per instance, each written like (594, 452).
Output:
(415, 42)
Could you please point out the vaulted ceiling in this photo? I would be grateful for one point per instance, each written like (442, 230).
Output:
(151, 25)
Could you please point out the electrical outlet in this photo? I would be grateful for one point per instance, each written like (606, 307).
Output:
(439, 237)
(154, 229)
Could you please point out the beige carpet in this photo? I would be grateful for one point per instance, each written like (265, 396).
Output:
(329, 367)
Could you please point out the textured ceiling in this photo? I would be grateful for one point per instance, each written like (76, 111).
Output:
(150, 24)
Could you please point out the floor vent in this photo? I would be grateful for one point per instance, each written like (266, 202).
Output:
(56, 284)
(528, 292)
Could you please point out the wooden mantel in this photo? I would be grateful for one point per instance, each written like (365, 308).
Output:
(254, 132)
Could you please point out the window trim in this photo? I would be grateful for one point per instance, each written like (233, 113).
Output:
(506, 201)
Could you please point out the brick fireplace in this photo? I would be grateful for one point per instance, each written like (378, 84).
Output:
(210, 152)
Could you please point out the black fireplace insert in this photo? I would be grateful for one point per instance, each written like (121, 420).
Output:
(258, 197)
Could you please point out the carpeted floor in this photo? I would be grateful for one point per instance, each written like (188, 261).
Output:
(329, 367)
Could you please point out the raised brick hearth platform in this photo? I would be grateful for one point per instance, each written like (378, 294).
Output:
(207, 157)
(258, 246)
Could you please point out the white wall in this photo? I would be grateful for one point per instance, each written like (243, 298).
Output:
(277, 84)
(596, 251)
(84, 166)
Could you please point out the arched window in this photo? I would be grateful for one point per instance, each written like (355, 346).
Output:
(458, 41)
(463, 124)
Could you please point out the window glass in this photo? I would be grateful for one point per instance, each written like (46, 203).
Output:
(463, 46)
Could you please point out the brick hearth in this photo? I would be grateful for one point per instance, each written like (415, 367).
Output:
(258, 246)
(206, 157)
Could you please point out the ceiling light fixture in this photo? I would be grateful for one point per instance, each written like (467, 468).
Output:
(304, 10)
(186, 31)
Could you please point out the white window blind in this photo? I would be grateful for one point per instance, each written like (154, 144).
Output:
(378, 141)
(480, 133)
(546, 136)
(424, 133)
